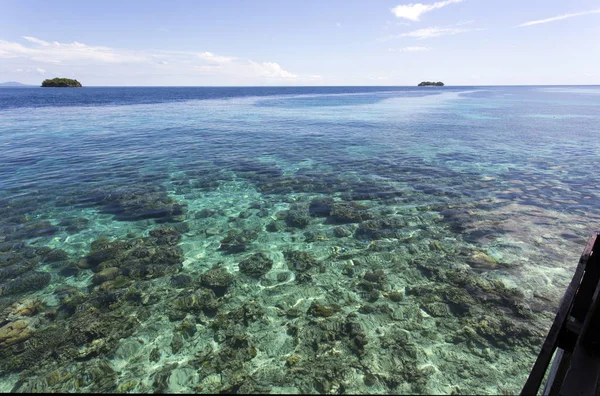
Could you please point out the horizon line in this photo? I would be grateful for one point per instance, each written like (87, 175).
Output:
(298, 86)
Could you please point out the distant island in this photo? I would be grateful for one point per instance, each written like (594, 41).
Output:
(61, 83)
(14, 84)
(431, 84)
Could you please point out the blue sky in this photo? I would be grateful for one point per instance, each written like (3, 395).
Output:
(264, 42)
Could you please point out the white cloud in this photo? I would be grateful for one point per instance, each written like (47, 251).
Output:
(55, 52)
(271, 70)
(37, 41)
(432, 32)
(152, 62)
(40, 70)
(560, 17)
(209, 56)
(410, 49)
(413, 11)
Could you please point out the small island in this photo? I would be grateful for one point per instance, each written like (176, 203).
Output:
(61, 83)
(431, 84)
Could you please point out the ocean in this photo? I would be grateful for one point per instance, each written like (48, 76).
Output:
(289, 239)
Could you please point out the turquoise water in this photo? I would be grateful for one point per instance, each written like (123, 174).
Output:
(289, 240)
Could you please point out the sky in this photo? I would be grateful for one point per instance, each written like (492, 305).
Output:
(284, 42)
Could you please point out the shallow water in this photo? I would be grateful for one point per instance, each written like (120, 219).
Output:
(285, 240)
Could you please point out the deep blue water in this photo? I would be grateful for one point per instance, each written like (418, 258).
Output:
(438, 189)
(102, 96)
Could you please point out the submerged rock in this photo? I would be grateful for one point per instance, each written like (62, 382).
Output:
(386, 227)
(482, 260)
(137, 202)
(349, 212)
(13, 333)
(74, 224)
(373, 280)
(13, 271)
(55, 255)
(200, 300)
(326, 351)
(69, 269)
(26, 283)
(297, 217)
(235, 351)
(275, 226)
(299, 261)
(395, 295)
(343, 231)
(317, 236)
(181, 280)
(204, 213)
(139, 258)
(217, 279)
(95, 376)
(236, 241)
(256, 265)
(33, 229)
(101, 254)
(320, 207)
(323, 310)
(166, 236)
(89, 331)
(105, 275)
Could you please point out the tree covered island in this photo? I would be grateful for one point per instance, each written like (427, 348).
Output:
(61, 82)
(431, 84)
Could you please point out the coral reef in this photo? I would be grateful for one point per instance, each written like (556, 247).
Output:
(349, 212)
(14, 332)
(387, 227)
(299, 261)
(298, 216)
(217, 279)
(25, 283)
(74, 224)
(236, 241)
(137, 202)
(256, 265)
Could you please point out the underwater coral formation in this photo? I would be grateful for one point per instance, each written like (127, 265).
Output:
(313, 283)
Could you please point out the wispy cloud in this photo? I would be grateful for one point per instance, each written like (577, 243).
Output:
(431, 32)
(66, 55)
(37, 41)
(58, 53)
(40, 70)
(560, 17)
(410, 49)
(413, 11)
